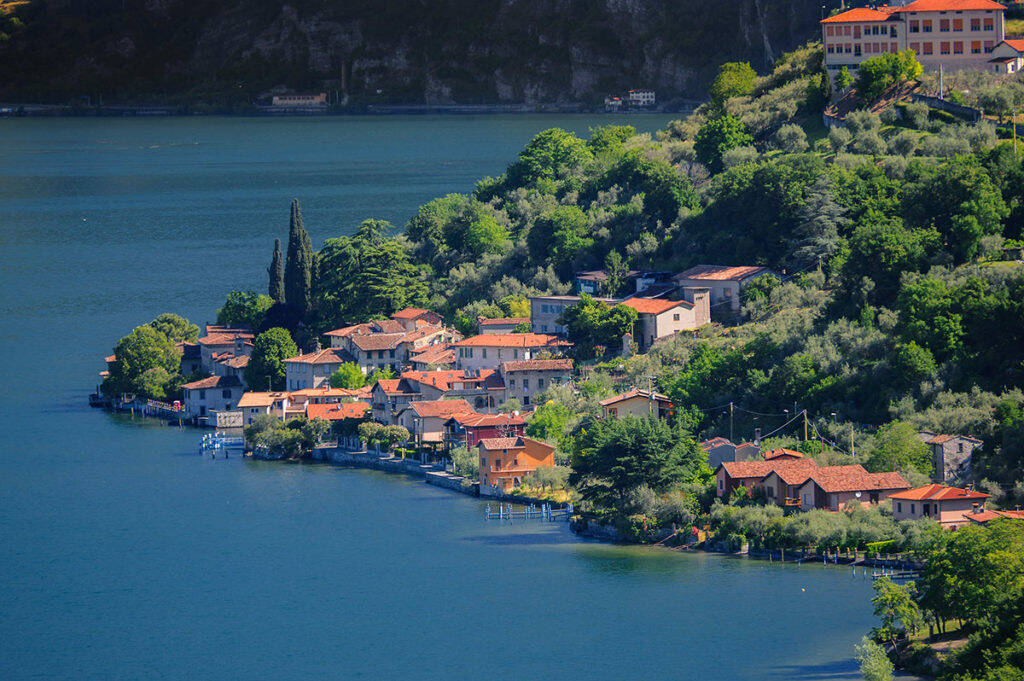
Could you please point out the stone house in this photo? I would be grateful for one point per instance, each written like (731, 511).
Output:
(221, 340)
(526, 378)
(212, 394)
(951, 455)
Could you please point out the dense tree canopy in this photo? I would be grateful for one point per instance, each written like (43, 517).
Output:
(266, 367)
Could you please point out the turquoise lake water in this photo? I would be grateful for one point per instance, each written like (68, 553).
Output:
(125, 555)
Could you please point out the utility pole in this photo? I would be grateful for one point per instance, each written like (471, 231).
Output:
(730, 422)
(852, 450)
(805, 425)
(1014, 124)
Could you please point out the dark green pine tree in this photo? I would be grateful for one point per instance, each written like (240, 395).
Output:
(276, 271)
(298, 270)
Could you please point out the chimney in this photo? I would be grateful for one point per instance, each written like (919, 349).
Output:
(757, 436)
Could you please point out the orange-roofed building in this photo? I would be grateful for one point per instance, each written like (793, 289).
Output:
(1007, 56)
(949, 506)
(488, 351)
(750, 474)
(956, 35)
(506, 461)
(835, 487)
(425, 419)
(659, 318)
(413, 317)
(254, 403)
(782, 454)
(724, 282)
(467, 429)
(338, 411)
(983, 516)
(640, 403)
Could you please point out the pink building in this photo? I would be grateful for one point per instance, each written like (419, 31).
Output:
(950, 506)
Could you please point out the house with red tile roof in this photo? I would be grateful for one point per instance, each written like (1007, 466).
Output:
(413, 317)
(338, 411)
(313, 369)
(982, 516)
(529, 377)
(439, 356)
(221, 340)
(949, 506)
(750, 474)
(207, 396)
(1007, 56)
(467, 429)
(254, 403)
(957, 35)
(639, 403)
(506, 461)
(659, 318)
(488, 351)
(724, 282)
(781, 454)
(835, 487)
(425, 419)
(389, 396)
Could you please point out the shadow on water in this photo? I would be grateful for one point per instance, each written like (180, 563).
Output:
(522, 539)
(824, 671)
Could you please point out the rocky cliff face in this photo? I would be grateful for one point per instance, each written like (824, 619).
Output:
(395, 51)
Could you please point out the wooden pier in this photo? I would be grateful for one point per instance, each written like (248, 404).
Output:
(544, 512)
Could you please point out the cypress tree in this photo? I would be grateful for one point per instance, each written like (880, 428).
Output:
(298, 270)
(276, 271)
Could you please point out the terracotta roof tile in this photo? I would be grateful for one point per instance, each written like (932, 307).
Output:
(475, 420)
(722, 272)
(948, 6)
(647, 395)
(325, 356)
(987, 515)
(778, 453)
(440, 408)
(538, 365)
(337, 411)
(502, 321)
(213, 382)
(260, 399)
(859, 14)
(855, 479)
(378, 341)
(512, 340)
(654, 305)
(759, 469)
(937, 492)
(409, 313)
(715, 442)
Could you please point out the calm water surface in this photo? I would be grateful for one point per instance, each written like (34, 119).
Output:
(125, 555)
